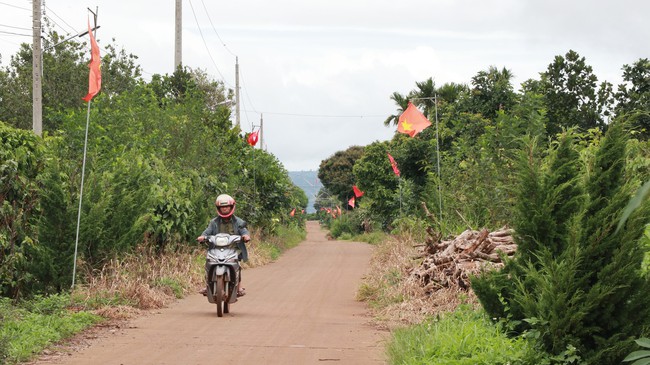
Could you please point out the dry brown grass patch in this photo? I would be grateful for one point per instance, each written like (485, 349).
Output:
(395, 298)
(143, 280)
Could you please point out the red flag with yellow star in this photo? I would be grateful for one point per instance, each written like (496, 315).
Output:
(393, 164)
(412, 121)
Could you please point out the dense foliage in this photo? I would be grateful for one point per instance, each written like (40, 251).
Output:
(158, 154)
(575, 281)
(557, 161)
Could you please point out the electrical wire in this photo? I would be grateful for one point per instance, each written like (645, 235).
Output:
(324, 115)
(12, 33)
(9, 26)
(241, 76)
(215, 30)
(15, 6)
(56, 15)
(245, 89)
(206, 46)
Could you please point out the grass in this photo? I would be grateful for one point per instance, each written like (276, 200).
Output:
(445, 328)
(29, 327)
(464, 337)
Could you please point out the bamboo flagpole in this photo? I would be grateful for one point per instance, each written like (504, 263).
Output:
(94, 85)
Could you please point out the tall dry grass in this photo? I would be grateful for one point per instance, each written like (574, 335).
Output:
(146, 279)
(394, 298)
(142, 280)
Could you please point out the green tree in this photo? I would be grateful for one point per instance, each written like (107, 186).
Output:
(335, 172)
(572, 96)
(633, 97)
(491, 92)
(65, 80)
(375, 177)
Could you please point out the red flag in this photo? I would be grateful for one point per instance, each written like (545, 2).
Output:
(358, 193)
(393, 164)
(412, 121)
(253, 138)
(95, 76)
(351, 202)
(293, 212)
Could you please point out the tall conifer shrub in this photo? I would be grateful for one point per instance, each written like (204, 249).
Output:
(575, 281)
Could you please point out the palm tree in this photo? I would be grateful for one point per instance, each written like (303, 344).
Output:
(402, 102)
(424, 95)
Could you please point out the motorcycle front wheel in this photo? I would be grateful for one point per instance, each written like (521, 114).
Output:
(226, 299)
(219, 294)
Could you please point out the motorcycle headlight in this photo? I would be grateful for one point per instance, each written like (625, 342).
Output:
(221, 241)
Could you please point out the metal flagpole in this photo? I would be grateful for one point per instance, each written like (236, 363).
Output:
(81, 195)
(81, 188)
(399, 182)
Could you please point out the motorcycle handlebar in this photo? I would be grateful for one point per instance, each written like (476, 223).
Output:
(204, 239)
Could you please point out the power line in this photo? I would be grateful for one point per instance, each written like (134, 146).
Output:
(246, 91)
(55, 23)
(15, 6)
(10, 26)
(215, 30)
(206, 46)
(12, 33)
(56, 15)
(323, 115)
(229, 51)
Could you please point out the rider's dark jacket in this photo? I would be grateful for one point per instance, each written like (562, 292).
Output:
(232, 225)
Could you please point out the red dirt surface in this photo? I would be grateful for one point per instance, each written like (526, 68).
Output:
(300, 309)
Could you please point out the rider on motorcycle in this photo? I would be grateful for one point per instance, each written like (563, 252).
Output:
(227, 222)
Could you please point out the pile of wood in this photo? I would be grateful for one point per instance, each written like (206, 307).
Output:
(449, 264)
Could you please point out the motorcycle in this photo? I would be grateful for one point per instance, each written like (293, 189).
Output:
(223, 270)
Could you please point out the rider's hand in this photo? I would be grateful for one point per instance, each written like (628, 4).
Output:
(200, 238)
(246, 238)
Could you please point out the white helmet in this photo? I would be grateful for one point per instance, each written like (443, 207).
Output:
(225, 200)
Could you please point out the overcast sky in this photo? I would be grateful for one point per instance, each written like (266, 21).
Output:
(321, 72)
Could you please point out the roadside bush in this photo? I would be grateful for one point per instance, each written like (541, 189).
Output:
(21, 161)
(349, 224)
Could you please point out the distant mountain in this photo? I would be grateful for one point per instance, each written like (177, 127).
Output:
(308, 181)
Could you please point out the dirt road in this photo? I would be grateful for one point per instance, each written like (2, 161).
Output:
(298, 310)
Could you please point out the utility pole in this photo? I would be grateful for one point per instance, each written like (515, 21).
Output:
(262, 131)
(178, 44)
(37, 88)
(237, 92)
